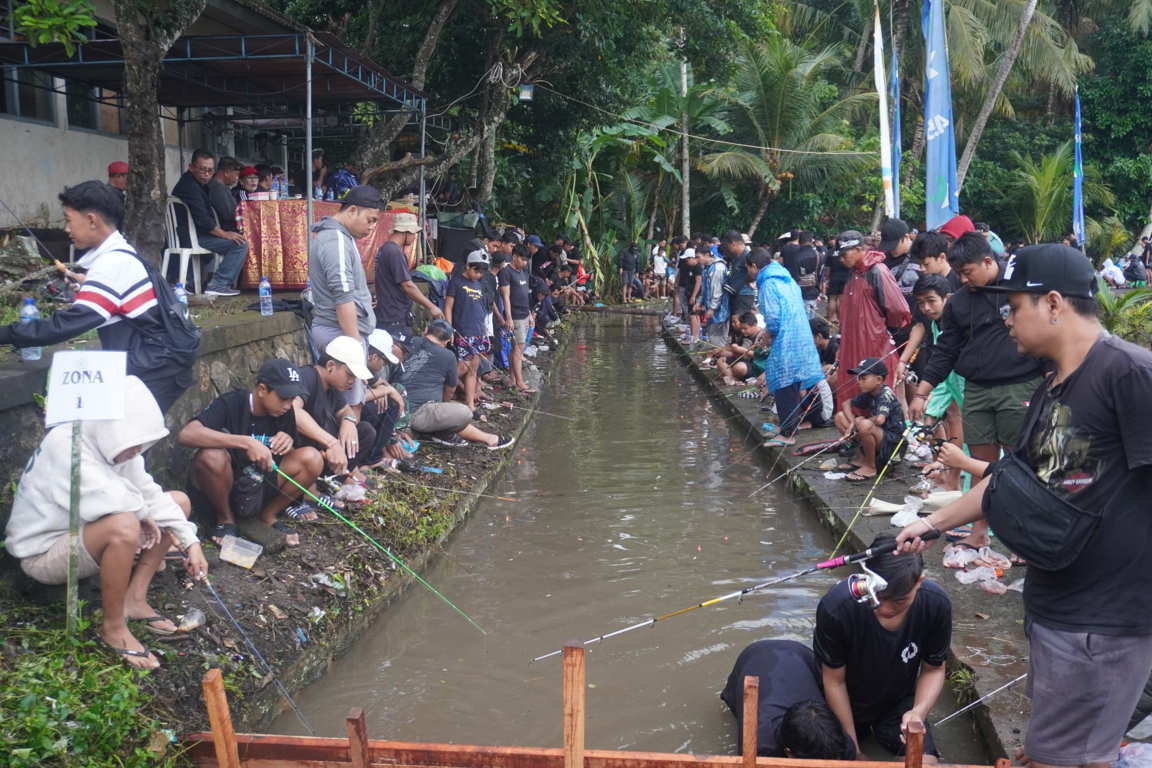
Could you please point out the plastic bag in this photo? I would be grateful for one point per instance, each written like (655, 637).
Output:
(1135, 755)
(959, 557)
(904, 517)
(993, 586)
(983, 573)
(994, 559)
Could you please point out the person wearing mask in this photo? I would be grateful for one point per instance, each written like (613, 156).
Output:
(192, 189)
(1079, 476)
(973, 342)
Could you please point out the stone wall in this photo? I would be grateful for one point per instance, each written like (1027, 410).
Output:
(231, 352)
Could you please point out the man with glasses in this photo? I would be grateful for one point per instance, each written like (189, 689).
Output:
(999, 380)
(192, 189)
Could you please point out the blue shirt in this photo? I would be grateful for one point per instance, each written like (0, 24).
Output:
(793, 358)
(470, 305)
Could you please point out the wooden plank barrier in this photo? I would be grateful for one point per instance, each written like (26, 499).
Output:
(574, 699)
(749, 743)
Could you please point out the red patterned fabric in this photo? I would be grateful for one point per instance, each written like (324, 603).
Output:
(277, 234)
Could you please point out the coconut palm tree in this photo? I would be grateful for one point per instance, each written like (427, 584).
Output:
(1043, 188)
(791, 119)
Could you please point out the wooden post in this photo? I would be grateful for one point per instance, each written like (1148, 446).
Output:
(574, 689)
(357, 738)
(914, 745)
(750, 716)
(223, 736)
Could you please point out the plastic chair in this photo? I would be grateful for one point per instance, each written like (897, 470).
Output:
(178, 213)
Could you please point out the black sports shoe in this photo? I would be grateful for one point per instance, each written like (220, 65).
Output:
(501, 442)
(453, 441)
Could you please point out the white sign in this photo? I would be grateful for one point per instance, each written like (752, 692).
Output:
(85, 386)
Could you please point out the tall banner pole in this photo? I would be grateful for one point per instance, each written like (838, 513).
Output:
(941, 194)
(1078, 183)
(882, 95)
(894, 95)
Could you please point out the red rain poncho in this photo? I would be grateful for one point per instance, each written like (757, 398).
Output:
(872, 303)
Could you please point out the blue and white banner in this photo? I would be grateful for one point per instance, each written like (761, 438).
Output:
(882, 96)
(1078, 183)
(894, 95)
(941, 197)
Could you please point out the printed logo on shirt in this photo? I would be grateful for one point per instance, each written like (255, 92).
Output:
(473, 293)
(909, 653)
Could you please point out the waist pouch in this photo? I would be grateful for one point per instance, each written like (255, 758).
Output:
(1039, 526)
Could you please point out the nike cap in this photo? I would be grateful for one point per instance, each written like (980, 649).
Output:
(1048, 267)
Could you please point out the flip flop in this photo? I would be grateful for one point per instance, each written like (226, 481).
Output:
(156, 630)
(287, 530)
(129, 652)
(222, 530)
(847, 467)
(777, 442)
(302, 512)
(856, 477)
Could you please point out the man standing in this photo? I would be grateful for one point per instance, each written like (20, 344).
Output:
(628, 262)
(116, 297)
(514, 280)
(1084, 464)
(803, 262)
(220, 192)
(192, 189)
(342, 303)
(999, 380)
(793, 364)
(713, 302)
(872, 303)
(395, 290)
(741, 295)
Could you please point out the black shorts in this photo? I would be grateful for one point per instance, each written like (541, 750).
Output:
(887, 448)
(886, 731)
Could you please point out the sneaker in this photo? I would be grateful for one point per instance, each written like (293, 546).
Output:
(221, 291)
(455, 441)
(501, 442)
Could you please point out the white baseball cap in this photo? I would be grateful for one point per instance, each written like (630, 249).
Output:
(381, 341)
(405, 222)
(350, 352)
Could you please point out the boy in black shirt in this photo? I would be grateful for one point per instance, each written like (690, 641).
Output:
(827, 344)
(238, 437)
(881, 424)
(883, 667)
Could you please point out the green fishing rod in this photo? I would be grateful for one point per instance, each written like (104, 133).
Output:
(378, 546)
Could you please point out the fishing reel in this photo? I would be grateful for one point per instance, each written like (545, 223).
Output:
(867, 586)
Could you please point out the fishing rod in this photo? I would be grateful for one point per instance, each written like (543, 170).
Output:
(537, 410)
(451, 490)
(980, 700)
(256, 654)
(379, 546)
(55, 262)
(872, 490)
(835, 562)
(793, 468)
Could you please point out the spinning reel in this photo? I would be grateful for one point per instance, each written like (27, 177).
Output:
(867, 586)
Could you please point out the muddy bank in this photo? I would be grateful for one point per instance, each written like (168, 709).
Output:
(988, 644)
(304, 606)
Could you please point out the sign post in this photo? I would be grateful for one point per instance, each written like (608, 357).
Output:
(82, 386)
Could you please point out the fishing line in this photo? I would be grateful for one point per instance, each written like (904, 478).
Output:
(872, 490)
(379, 546)
(980, 700)
(835, 562)
(450, 490)
(256, 653)
(795, 467)
(55, 262)
(537, 410)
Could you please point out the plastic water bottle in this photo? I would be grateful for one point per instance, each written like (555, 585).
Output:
(182, 300)
(28, 313)
(307, 293)
(265, 297)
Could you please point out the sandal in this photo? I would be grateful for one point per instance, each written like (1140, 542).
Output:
(156, 630)
(302, 512)
(287, 530)
(856, 477)
(222, 530)
(144, 654)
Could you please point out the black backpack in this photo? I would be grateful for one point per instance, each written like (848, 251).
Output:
(172, 342)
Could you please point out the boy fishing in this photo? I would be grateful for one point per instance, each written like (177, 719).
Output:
(874, 417)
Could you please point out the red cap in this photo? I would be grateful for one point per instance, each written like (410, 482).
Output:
(958, 225)
(117, 167)
(249, 171)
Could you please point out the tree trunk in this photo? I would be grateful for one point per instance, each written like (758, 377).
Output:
(488, 159)
(146, 37)
(377, 147)
(1006, 63)
(655, 206)
(765, 200)
(685, 158)
(912, 160)
(862, 48)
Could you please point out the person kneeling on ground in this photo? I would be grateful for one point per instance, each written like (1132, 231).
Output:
(792, 718)
(239, 437)
(883, 667)
(320, 411)
(430, 378)
(122, 510)
(383, 403)
(874, 418)
(742, 363)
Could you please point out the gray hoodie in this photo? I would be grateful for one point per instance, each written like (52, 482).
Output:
(337, 276)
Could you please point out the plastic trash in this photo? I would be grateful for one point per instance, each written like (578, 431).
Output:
(28, 313)
(835, 475)
(959, 557)
(239, 551)
(983, 573)
(181, 300)
(993, 586)
(1138, 754)
(194, 619)
(904, 517)
(994, 559)
(1018, 585)
(265, 297)
(352, 492)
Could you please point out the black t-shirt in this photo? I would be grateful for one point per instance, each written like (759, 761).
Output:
(629, 259)
(883, 402)
(829, 353)
(321, 405)
(1091, 442)
(788, 676)
(686, 274)
(427, 370)
(838, 274)
(804, 264)
(491, 283)
(519, 291)
(471, 303)
(232, 413)
(392, 304)
(953, 278)
(882, 666)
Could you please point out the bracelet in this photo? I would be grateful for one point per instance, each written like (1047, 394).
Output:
(351, 419)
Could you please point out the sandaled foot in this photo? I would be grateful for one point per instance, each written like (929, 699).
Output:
(124, 644)
(222, 530)
(301, 512)
(157, 624)
(291, 538)
(858, 476)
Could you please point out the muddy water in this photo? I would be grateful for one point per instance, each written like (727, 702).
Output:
(624, 512)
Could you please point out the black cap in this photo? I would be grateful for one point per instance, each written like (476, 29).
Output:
(891, 232)
(1048, 267)
(281, 377)
(364, 196)
(849, 238)
(874, 365)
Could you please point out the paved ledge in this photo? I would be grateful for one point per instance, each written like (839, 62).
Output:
(988, 644)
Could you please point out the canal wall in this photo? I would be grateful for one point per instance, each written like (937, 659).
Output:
(988, 644)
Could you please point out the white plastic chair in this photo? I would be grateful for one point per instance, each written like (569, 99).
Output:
(178, 213)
